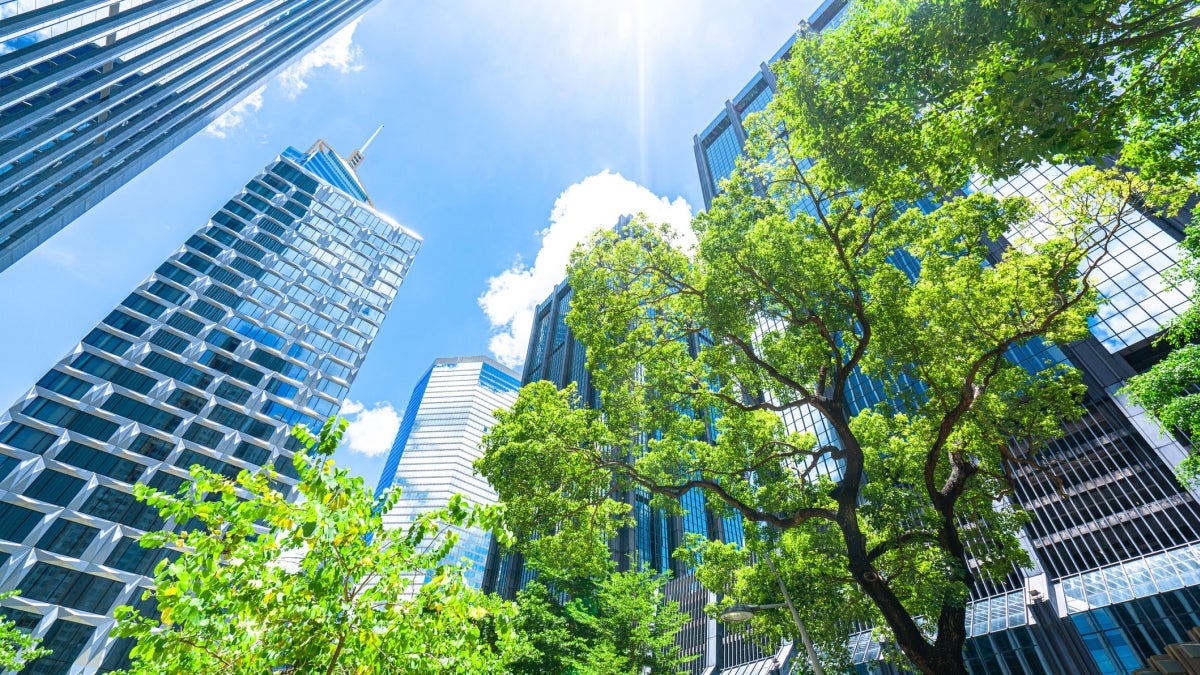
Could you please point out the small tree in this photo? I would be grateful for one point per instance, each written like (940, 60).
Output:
(917, 95)
(312, 586)
(616, 624)
(17, 647)
(797, 295)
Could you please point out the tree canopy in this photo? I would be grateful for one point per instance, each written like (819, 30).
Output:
(17, 647)
(917, 95)
(314, 586)
(799, 295)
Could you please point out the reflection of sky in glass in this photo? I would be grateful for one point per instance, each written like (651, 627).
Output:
(722, 154)
(1138, 302)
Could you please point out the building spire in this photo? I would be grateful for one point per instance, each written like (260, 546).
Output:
(357, 156)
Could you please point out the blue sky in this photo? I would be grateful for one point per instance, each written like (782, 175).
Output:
(493, 111)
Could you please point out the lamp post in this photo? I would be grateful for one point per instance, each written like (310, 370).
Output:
(740, 612)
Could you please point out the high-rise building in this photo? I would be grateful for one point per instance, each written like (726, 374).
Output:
(92, 93)
(556, 355)
(434, 452)
(1117, 554)
(260, 321)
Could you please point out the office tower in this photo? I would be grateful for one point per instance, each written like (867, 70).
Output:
(1117, 556)
(434, 452)
(92, 93)
(258, 322)
(555, 355)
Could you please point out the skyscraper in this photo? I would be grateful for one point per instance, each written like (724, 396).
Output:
(260, 321)
(433, 455)
(92, 93)
(1117, 554)
(556, 355)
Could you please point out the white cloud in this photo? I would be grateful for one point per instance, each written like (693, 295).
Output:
(371, 430)
(338, 52)
(233, 118)
(593, 203)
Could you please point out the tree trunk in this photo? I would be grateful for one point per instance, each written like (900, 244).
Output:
(943, 662)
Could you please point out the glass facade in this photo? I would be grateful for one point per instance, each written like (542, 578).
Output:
(432, 458)
(92, 93)
(259, 321)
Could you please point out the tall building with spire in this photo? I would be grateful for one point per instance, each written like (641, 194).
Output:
(94, 92)
(433, 456)
(259, 321)
(1116, 547)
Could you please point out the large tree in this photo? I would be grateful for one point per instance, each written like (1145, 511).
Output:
(798, 295)
(312, 586)
(920, 94)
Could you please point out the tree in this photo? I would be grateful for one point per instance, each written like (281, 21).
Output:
(313, 586)
(797, 294)
(17, 647)
(616, 624)
(1168, 391)
(917, 95)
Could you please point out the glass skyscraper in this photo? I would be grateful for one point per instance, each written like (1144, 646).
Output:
(92, 93)
(433, 455)
(1117, 555)
(260, 321)
(555, 355)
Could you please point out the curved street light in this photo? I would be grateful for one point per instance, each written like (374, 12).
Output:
(739, 612)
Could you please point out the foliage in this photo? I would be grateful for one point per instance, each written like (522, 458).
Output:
(620, 625)
(316, 586)
(1171, 389)
(17, 647)
(916, 95)
(797, 296)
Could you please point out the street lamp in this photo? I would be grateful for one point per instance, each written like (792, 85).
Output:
(739, 612)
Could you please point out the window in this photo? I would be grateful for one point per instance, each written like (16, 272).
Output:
(123, 322)
(167, 482)
(121, 507)
(335, 369)
(246, 267)
(222, 295)
(233, 393)
(154, 448)
(144, 305)
(227, 277)
(129, 556)
(118, 375)
(7, 464)
(179, 276)
(249, 250)
(275, 228)
(206, 436)
(228, 221)
(69, 588)
(244, 423)
(286, 414)
(204, 246)
(140, 412)
(166, 292)
(222, 340)
(64, 384)
(277, 364)
(281, 389)
(186, 401)
(102, 339)
(220, 234)
(268, 242)
(65, 640)
(197, 263)
(185, 323)
(192, 458)
(239, 210)
(286, 467)
(98, 461)
(17, 522)
(67, 538)
(301, 354)
(55, 488)
(75, 420)
(161, 363)
(26, 438)
(170, 341)
(255, 333)
(322, 407)
(252, 453)
(220, 363)
(332, 388)
(208, 311)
